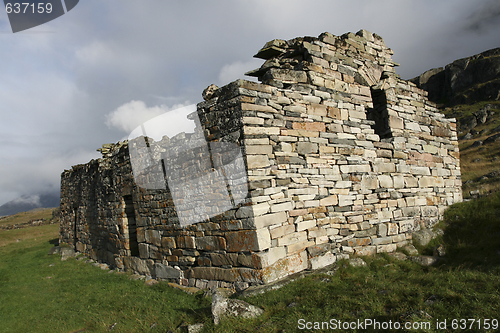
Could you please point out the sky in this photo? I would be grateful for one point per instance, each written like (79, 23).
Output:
(94, 74)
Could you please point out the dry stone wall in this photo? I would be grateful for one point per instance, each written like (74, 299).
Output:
(341, 157)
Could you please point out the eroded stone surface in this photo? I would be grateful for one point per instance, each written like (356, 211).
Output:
(226, 307)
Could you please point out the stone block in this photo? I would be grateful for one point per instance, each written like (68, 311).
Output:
(365, 250)
(304, 225)
(385, 181)
(305, 148)
(392, 229)
(346, 200)
(353, 242)
(430, 181)
(210, 243)
(141, 235)
(333, 112)
(228, 259)
(386, 248)
(136, 265)
(382, 229)
(153, 237)
(361, 168)
(396, 122)
(253, 210)
(398, 238)
(382, 240)
(185, 242)
(166, 272)
(411, 211)
(418, 170)
(292, 238)
(286, 266)
(369, 182)
(298, 247)
(410, 181)
(259, 149)
(282, 207)
(248, 240)
(269, 219)
(314, 126)
(409, 125)
(317, 109)
(399, 181)
(322, 260)
(331, 200)
(143, 250)
(271, 256)
(406, 226)
(257, 161)
(282, 231)
(168, 243)
(253, 130)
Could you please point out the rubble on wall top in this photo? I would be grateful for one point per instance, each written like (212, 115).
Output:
(327, 51)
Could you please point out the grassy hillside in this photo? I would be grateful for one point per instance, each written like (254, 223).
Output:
(40, 293)
(44, 214)
(480, 163)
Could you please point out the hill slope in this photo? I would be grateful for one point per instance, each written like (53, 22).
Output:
(469, 89)
(29, 202)
(464, 81)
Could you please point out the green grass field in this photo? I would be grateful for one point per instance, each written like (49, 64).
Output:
(40, 293)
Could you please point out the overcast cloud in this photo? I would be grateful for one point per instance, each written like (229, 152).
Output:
(90, 76)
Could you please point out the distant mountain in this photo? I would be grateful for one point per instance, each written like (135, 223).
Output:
(464, 81)
(29, 202)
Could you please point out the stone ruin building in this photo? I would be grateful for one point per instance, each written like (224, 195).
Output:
(339, 155)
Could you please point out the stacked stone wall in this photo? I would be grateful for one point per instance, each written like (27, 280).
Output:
(341, 157)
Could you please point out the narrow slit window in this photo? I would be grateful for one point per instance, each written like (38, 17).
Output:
(131, 225)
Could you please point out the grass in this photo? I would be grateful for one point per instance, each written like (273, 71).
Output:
(35, 214)
(39, 293)
(28, 235)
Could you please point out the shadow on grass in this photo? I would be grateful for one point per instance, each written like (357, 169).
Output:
(54, 241)
(472, 234)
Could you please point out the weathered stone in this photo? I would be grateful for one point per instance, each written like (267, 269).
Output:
(166, 272)
(248, 240)
(425, 260)
(210, 243)
(423, 237)
(225, 307)
(66, 253)
(357, 262)
(210, 92)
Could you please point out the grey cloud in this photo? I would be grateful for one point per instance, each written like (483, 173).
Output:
(484, 16)
(57, 89)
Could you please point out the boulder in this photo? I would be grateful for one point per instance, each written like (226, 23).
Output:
(423, 237)
(425, 260)
(55, 250)
(356, 262)
(66, 253)
(225, 307)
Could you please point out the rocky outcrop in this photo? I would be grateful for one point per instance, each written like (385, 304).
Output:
(466, 80)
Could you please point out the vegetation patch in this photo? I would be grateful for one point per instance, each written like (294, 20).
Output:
(39, 293)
